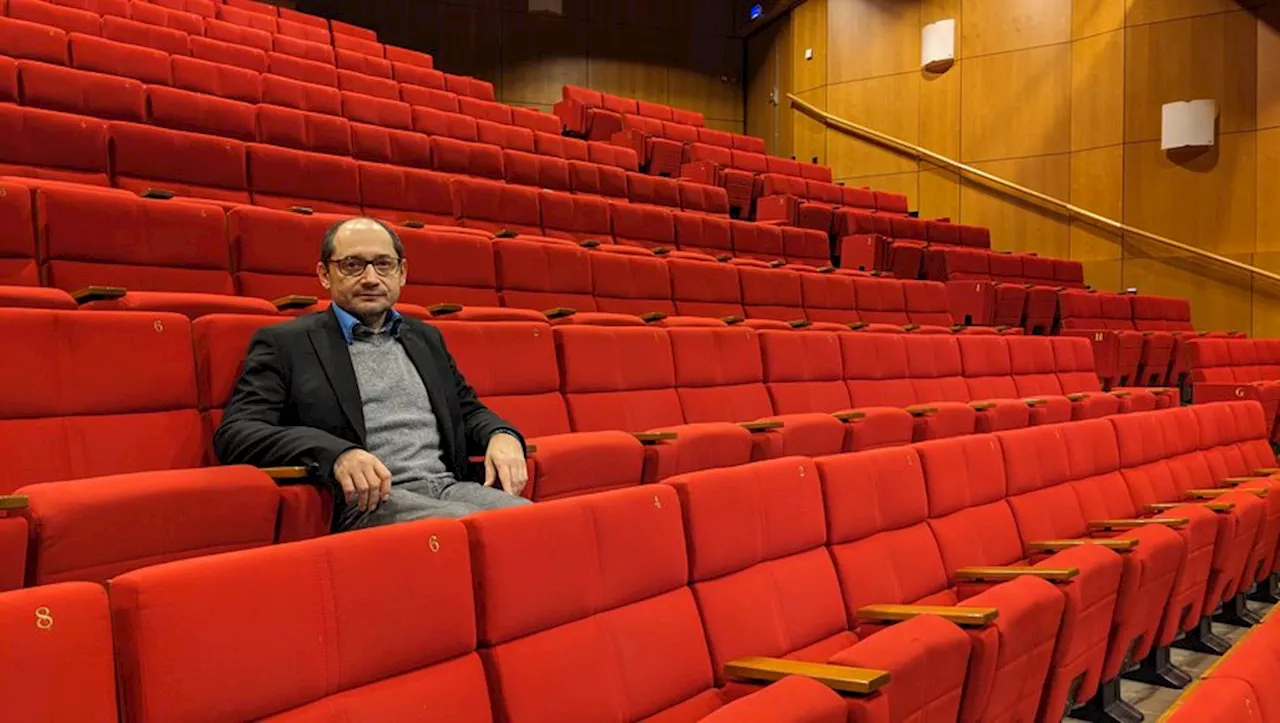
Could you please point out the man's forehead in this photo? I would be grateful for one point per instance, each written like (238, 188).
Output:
(362, 232)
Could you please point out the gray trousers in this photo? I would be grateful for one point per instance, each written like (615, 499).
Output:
(429, 498)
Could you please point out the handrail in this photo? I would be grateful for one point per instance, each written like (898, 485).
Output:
(902, 146)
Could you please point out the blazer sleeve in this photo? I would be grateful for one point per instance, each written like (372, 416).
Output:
(479, 421)
(252, 430)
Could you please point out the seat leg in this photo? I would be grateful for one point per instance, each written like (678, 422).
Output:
(1158, 669)
(1267, 591)
(1236, 612)
(1201, 639)
(1108, 707)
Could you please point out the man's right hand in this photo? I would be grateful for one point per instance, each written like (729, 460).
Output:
(365, 480)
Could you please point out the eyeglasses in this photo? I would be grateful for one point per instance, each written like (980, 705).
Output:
(353, 266)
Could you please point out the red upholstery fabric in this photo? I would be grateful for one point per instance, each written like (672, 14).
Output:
(397, 194)
(281, 178)
(493, 206)
(189, 164)
(574, 217)
(228, 53)
(54, 146)
(273, 250)
(186, 111)
(76, 91)
(541, 276)
(629, 283)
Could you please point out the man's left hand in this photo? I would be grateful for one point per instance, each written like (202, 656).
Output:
(504, 462)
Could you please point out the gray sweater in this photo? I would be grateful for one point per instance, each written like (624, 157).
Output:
(399, 423)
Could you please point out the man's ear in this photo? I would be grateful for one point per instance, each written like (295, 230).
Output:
(322, 271)
(404, 271)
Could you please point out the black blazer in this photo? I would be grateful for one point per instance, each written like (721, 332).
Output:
(297, 402)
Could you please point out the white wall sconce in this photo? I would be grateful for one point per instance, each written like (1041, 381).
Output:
(938, 46)
(1187, 124)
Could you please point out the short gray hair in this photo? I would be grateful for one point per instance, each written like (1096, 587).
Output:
(331, 235)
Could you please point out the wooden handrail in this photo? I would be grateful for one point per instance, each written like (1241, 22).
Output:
(901, 146)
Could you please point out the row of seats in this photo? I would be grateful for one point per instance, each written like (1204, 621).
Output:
(1224, 369)
(577, 391)
(1051, 558)
(1237, 688)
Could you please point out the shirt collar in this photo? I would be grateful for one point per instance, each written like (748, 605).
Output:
(348, 323)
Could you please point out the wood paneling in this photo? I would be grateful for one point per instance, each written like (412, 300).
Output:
(1097, 91)
(907, 183)
(1090, 17)
(1269, 66)
(766, 53)
(931, 11)
(1016, 224)
(707, 74)
(629, 61)
(1016, 104)
(1220, 299)
(889, 104)
(939, 192)
(872, 39)
(1153, 11)
(1201, 57)
(1208, 201)
(998, 26)
(733, 126)
(809, 137)
(1268, 180)
(529, 73)
(809, 30)
(1097, 185)
(940, 111)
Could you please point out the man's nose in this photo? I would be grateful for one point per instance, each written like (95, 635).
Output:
(369, 275)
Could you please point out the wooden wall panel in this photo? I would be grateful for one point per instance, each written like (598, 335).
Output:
(873, 39)
(706, 73)
(1091, 17)
(1141, 12)
(998, 26)
(1268, 233)
(869, 102)
(529, 73)
(809, 30)
(1209, 200)
(1268, 92)
(1097, 91)
(629, 61)
(1016, 104)
(809, 137)
(940, 111)
(1220, 298)
(1201, 57)
(907, 183)
(1021, 225)
(939, 193)
(766, 53)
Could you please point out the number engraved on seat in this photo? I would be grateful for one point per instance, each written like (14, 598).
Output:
(434, 543)
(44, 618)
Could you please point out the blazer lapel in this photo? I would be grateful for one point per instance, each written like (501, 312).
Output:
(429, 369)
(335, 359)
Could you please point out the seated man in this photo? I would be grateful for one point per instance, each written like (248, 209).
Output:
(368, 399)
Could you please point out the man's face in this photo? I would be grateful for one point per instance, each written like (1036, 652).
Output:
(368, 292)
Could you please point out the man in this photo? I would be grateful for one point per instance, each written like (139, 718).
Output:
(369, 399)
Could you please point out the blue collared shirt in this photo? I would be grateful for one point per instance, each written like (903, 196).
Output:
(348, 323)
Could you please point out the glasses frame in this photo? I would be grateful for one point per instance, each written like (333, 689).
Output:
(365, 264)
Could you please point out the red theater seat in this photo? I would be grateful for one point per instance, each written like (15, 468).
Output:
(17, 237)
(249, 18)
(89, 52)
(644, 226)
(218, 79)
(705, 234)
(382, 112)
(630, 281)
(368, 46)
(805, 246)
(203, 8)
(71, 20)
(702, 287)
(591, 178)
(186, 111)
(575, 217)
(227, 53)
(65, 628)
(309, 32)
(363, 64)
(535, 120)
(450, 155)
(54, 87)
(495, 206)
(282, 91)
(351, 31)
(409, 57)
(354, 82)
(504, 136)
(282, 178)
(453, 267)
(434, 122)
(758, 241)
(305, 131)
(22, 39)
(703, 199)
(528, 169)
(273, 251)
(396, 195)
(188, 164)
(53, 146)
(415, 77)
(169, 40)
(225, 32)
(305, 49)
(542, 276)
(385, 145)
(307, 71)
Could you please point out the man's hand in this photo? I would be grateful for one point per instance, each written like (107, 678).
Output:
(365, 480)
(504, 462)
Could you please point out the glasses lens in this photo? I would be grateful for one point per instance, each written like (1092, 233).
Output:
(386, 266)
(355, 266)
(351, 266)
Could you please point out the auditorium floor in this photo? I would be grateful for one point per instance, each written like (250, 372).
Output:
(1153, 700)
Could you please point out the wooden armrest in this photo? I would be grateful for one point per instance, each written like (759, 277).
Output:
(410, 223)
(304, 210)
(1234, 481)
(653, 316)
(294, 301)
(159, 194)
(854, 326)
(850, 416)
(589, 243)
(761, 426)
(1174, 522)
(828, 269)
(1211, 506)
(1055, 574)
(1210, 494)
(13, 502)
(862, 681)
(971, 616)
(444, 309)
(654, 437)
(1077, 396)
(530, 449)
(505, 233)
(731, 320)
(1121, 395)
(1159, 390)
(724, 258)
(1037, 402)
(777, 264)
(799, 323)
(286, 472)
(1056, 545)
(1003, 327)
(559, 312)
(876, 274)
(98, 293)
(982, 406)
(921, 411)
(958, 327)
(1267, 471)
(910, 327)
(661, 251)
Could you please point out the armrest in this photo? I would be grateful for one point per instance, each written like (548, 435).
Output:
(1234, 481)
(731, 320)
(1036, 402)
(838, 677)
(279, 473)
(777, 264)
(1121, 395)
(761, 426)
(1059, 545)
(654, 437)
(724, 258)
(1174, 522)
(982, 406)
(828, 269)
(799, 323)
(444, 309)
(653, 316)
(1077, 396)
(505, 233)
(968, 616)
(410, 223)
(1053, 574)
(910, 327)
(660, 251)
(13, 502)
(294, 301)
(98, 293)
(854, 326)
(159, 194)
(1267, 471)
(304, 210)
(589, 243)
(921, 411)
(559, 312)
(1211, 506)
(850, 416)
(1210, 494)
